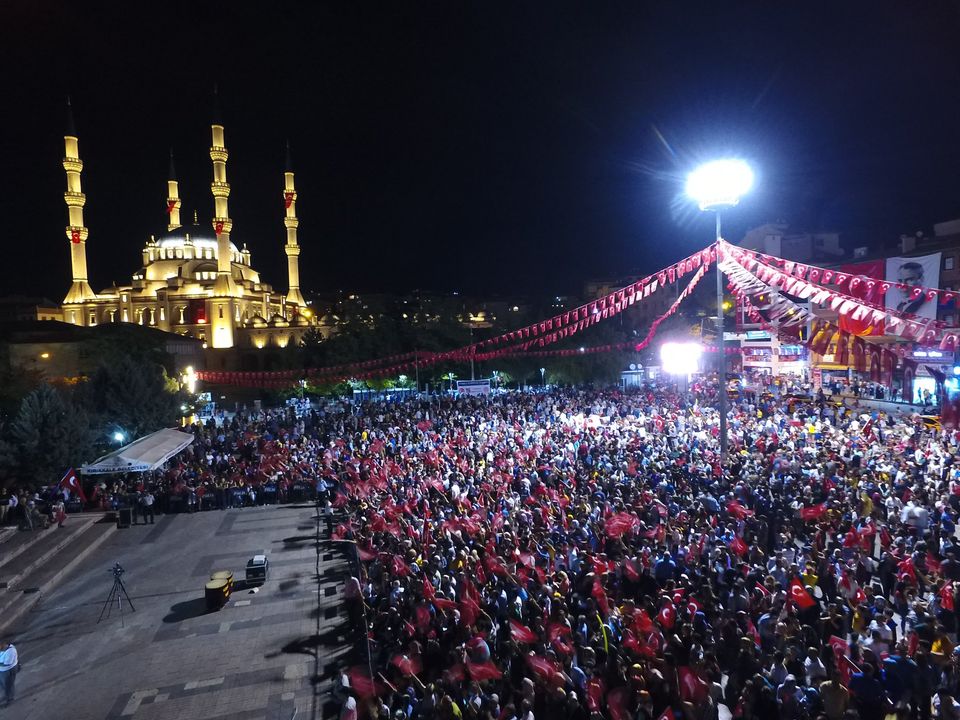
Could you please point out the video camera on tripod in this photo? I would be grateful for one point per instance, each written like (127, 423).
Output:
(118, 593)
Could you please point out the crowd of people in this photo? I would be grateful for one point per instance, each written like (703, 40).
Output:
(585, 554)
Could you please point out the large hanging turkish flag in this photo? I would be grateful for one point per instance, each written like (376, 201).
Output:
(865, 325)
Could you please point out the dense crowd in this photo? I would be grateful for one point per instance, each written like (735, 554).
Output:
(584, 554)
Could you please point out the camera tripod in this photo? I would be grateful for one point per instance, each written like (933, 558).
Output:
(117, 594)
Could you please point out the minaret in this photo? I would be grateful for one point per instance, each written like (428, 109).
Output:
(173, 197)
(292, 249)
(80, 291)
(224, 289)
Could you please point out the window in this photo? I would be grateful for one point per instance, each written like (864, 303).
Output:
(948, 261)
(220, 312)
(93, 317)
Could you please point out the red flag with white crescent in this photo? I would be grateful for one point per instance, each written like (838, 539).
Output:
(171, 205)
(218, 227)
(799, 595)
(75, 237)
(71, 482)
(287, 199)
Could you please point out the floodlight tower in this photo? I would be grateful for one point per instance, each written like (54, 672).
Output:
(717, 185)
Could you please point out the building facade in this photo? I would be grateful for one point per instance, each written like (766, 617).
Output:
(193, 280)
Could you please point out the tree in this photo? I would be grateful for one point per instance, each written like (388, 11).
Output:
(15, 384)
(49, 434)
(139, 397)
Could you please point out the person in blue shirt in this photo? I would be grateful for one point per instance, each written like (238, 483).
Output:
(869, 694)
(665, 568)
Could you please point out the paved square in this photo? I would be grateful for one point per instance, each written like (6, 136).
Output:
(273, 653)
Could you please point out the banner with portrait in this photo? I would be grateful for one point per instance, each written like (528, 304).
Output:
(913, 272)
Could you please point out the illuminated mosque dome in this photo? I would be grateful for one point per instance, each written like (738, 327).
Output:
(202, 238)
(192, 280)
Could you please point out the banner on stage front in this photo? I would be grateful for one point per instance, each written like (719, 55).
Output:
(915, 274)
(473, 387)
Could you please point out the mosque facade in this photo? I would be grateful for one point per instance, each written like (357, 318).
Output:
(193, 280)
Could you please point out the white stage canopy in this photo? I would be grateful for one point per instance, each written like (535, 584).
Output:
(147, 453)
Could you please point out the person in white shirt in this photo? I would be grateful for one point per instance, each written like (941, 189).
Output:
(815, 670)
(9, 667)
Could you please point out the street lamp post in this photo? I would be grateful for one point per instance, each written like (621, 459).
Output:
(543, 381)
(717, 185)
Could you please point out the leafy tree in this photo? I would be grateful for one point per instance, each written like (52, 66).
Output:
(15, 384)
(139, 397)
(49, 434)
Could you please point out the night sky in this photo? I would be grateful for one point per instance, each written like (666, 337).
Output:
(480, 147)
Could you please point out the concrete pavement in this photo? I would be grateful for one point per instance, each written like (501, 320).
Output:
(270, 654)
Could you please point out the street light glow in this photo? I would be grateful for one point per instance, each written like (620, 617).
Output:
(680, 358)
(118, 436)
(720, 183)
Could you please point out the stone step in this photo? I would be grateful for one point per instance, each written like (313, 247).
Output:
(14, 542)
(44, 545)
(31, 586)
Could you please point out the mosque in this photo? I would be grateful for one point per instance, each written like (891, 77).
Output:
(193, 280)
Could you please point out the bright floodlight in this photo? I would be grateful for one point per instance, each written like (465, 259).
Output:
(680, 358)
(118, 436)
(720, 183)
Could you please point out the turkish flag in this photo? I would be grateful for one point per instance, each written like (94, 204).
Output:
(865, 325)
(361, 682)
(521, 633)
(71, 482)
(619, 524)
(545, 669)
(946, 597)
(799, 594)
(813, 512)
(406, 665)
(484, 671)
(693, 688)
(366, 553)
(667, 615)
(469, 610)
(428, 592)
(738, 545)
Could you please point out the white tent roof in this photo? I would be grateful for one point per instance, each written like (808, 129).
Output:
(143, 455)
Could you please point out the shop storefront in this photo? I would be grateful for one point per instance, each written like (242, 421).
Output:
(766, 354)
